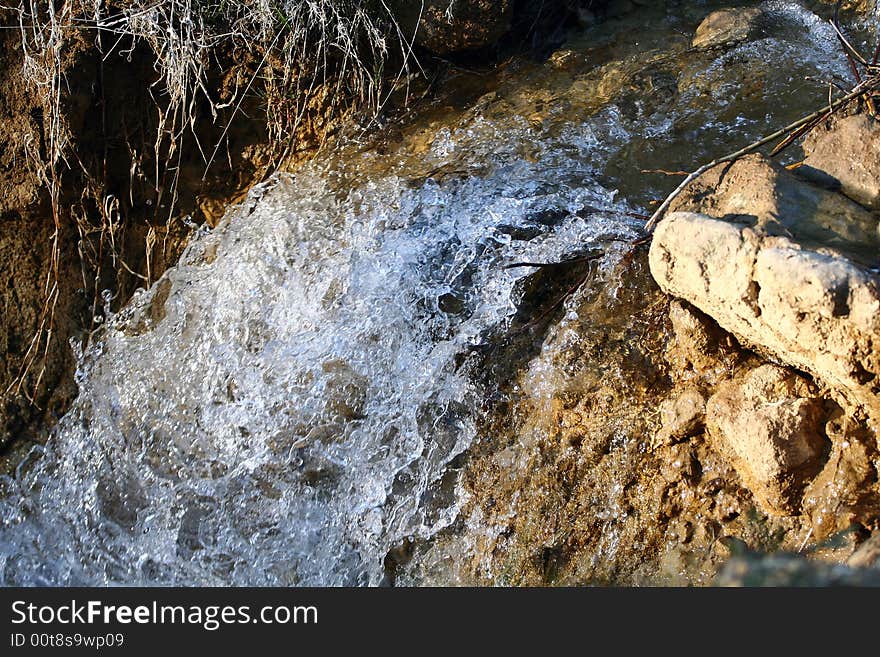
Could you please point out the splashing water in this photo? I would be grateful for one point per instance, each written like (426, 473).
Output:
(279, 409)
(282, 408)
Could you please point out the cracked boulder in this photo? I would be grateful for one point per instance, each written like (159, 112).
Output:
(783, 265)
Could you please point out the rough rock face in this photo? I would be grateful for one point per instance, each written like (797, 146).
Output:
(705, 362)
(845, 493)
(701, 353)
(769, 425)
(816, 311)
(752, 251)
(759, 192)
(848, 153)
(681, 416)
(446, 26)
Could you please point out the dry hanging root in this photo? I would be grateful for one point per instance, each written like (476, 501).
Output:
(867, 80)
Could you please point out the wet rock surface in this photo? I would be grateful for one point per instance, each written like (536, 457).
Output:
(700, 353)
(682, 416)
(727, 27)
(845, 493)
(847, 156)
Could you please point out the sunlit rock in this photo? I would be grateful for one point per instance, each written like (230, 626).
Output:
(782, 264)
(769, 425)
(681, 416)
(727, 27)
(848, 156)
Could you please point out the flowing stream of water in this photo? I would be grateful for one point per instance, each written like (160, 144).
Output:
(289, 403)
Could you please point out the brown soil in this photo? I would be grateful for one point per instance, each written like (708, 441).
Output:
(26, 239)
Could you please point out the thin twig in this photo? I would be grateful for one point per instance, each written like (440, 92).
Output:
(665, 172)
(858, 91)
(587, 258)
